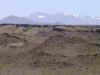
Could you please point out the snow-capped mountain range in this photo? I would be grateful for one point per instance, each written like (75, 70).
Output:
(45, 18)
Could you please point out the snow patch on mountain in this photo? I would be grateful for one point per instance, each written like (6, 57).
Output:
(41, 17)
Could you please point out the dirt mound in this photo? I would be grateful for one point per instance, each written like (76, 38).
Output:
(69, 45)
(7, 39)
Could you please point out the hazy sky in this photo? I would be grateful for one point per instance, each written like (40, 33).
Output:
(25, 7)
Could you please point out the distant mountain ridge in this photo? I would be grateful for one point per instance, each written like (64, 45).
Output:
(15, 20)
(45, 18)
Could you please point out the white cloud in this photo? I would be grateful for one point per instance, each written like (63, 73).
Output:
(67, 14)
(98, 18)
(41, 17)
(76, 15)
(93, 17)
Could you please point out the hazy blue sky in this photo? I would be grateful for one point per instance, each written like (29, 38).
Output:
(25, 7)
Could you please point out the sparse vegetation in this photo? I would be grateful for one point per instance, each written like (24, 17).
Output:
(49, 50)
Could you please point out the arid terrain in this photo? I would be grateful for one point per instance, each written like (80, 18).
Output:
(49, 50)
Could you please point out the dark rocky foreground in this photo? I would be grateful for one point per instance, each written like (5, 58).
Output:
(49, 50)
